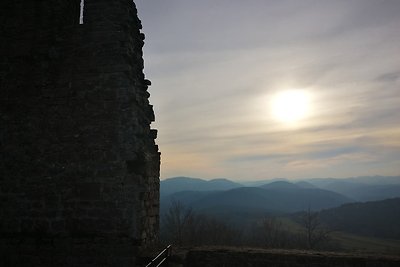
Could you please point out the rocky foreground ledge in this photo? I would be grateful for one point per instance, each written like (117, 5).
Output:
(252, 257)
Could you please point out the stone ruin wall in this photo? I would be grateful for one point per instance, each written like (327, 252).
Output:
(239, 257)
(79, 168)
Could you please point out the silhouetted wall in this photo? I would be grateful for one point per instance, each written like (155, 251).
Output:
(79, 168)
(213, 257)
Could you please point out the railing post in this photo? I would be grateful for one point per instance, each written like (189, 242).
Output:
(168, 255)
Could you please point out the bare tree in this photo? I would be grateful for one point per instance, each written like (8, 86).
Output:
(177, 221)
(182, 226)
(273, 232)
(213, 231)
(315, 233)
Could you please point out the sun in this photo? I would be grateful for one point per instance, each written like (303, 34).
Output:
(290, 106)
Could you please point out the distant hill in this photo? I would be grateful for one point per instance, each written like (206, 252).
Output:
(305, 184)
(276, 197)
(368, 188)
(281, 185)
(243, 206)
(188, 198)
(321, 182)
(377, 219)
(261, 182)
(371, 180)
(361, 191)
(377, 180)
(177, 184)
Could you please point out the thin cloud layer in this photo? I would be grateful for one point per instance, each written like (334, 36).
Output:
(216, 64)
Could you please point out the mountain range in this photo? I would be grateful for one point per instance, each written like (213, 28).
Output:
(360, 190)
(366, 206)
(178, 184)
(223, 196)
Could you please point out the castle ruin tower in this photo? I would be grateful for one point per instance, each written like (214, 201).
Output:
(79, 167)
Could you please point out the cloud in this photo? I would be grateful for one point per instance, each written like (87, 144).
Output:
(214, 65)
(258, 157)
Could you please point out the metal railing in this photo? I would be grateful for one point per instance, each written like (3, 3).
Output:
(161, 258)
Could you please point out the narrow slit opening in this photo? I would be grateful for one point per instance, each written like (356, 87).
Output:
(82, 6)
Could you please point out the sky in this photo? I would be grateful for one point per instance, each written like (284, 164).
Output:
(216, 67)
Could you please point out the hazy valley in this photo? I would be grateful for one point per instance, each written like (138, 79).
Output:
(361, 213)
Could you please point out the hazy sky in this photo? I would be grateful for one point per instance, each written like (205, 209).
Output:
(215, 65)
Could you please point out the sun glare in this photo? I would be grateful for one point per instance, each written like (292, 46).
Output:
(290, 106)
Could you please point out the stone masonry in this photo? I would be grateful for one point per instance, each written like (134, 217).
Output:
(79, 168)
(239, 257)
